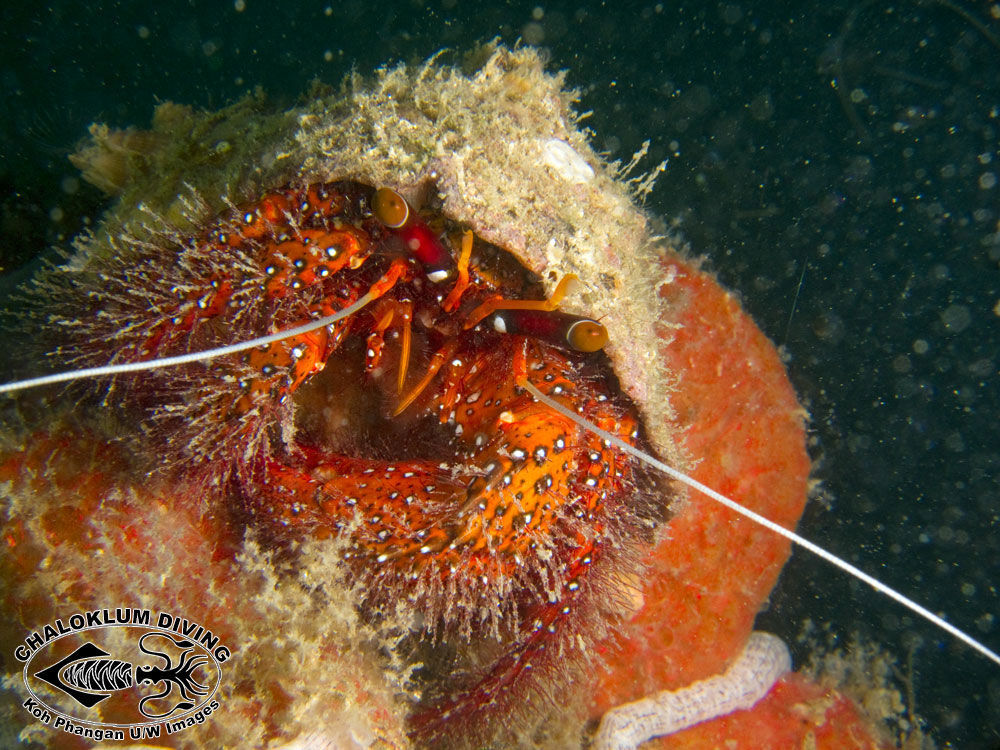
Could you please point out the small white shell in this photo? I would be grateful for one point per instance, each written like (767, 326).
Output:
(566, 162)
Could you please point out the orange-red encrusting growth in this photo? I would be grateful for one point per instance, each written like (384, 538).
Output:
(744, 430)
(797, 714)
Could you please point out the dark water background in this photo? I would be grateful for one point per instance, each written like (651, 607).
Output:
(838, 163)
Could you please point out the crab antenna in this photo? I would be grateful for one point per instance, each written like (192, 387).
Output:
(765, 522)
(61, 377)
(183, 359)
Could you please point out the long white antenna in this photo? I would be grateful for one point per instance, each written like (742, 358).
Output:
(765, 522)
(183, 359)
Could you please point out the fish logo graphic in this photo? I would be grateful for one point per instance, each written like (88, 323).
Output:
(89, 677)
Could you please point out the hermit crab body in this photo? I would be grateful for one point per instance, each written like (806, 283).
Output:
(400, 430)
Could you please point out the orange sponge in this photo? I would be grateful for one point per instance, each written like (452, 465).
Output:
(712, 571)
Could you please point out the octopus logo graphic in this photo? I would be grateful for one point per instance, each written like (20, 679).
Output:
(153, 676)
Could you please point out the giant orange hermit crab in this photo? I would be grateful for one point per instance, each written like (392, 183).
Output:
(381, 506)
(464, 496)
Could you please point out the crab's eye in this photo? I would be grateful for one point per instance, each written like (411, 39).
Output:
(418, 239)
(391, 208)
(587, 336)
